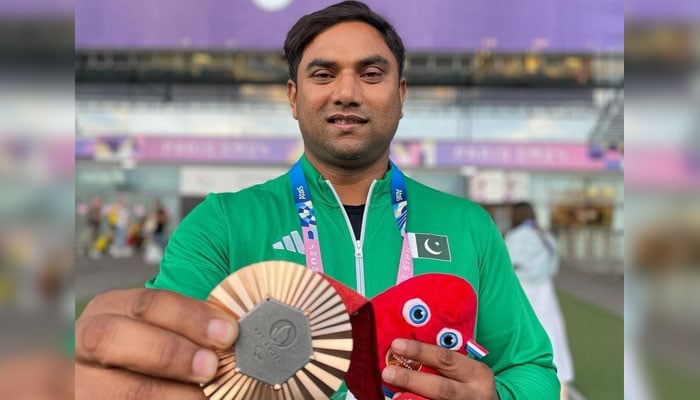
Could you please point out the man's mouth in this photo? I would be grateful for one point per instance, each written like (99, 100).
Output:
(346, 120)
(395, 359)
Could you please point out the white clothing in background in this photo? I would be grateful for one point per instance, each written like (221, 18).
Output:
(535, 257)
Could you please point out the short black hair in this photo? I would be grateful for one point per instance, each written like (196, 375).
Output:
(311, 25)
(522, 211)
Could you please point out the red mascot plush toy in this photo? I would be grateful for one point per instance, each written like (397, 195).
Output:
(437, 309)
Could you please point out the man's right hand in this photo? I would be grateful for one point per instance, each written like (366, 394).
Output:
(148, 344)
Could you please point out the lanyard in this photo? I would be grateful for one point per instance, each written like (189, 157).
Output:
(309, 229)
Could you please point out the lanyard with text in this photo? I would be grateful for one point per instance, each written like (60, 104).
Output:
(309, 229)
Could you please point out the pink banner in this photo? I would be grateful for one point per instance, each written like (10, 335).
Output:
(514, 155)
(406, 153)
(218, 149)
(662, 168)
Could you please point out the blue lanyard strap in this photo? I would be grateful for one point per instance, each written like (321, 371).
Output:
(399, 198)
(307, 218)
(399, 201)
(302, 196)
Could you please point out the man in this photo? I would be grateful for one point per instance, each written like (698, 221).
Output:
(346, 89)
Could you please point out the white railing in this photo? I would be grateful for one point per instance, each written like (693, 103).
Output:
(593, 249)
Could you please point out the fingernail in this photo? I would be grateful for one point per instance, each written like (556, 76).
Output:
(398, 345)
(204, 365)
(220, 331)
(389, 374)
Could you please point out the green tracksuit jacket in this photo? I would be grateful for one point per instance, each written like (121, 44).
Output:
(228, 231)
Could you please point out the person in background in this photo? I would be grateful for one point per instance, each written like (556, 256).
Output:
(535, 257)
(136, 236)
(94, 219)
(154, 229)
(161, 217)
(119, 218)
(346, 89)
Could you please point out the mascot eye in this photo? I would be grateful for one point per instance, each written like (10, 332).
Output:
(416, 312)
(449, 339)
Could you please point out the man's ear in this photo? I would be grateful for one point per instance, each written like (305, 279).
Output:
(292, 96)
(402, 93)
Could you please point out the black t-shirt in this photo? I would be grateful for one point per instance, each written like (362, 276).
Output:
(355, 215)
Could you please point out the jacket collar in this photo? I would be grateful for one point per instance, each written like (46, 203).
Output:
(321, 191)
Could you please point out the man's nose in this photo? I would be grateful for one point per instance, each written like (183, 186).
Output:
(347, 91)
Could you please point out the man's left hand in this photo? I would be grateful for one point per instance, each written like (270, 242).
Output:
(462, 378)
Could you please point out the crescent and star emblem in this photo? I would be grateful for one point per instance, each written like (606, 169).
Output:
(427, 247)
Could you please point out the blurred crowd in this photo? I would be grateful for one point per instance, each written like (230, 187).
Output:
(118, 230)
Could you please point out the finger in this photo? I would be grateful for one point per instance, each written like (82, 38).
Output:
(448, 363)
(94, 383)
(196, 320)
(427, 385)
(115, 340)
(461, 372)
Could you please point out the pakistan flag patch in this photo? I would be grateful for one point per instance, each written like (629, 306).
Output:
(427, 245)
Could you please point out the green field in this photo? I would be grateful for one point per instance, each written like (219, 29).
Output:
(596, 341)
(671, 382)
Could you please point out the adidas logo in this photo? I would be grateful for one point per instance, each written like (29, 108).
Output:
(292, 242)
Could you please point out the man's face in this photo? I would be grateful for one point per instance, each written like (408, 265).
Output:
(348, 98)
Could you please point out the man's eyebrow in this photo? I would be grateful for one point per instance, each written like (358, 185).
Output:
(374, 60)
(320, 63)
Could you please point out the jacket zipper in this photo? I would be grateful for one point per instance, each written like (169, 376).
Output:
(359, 255)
